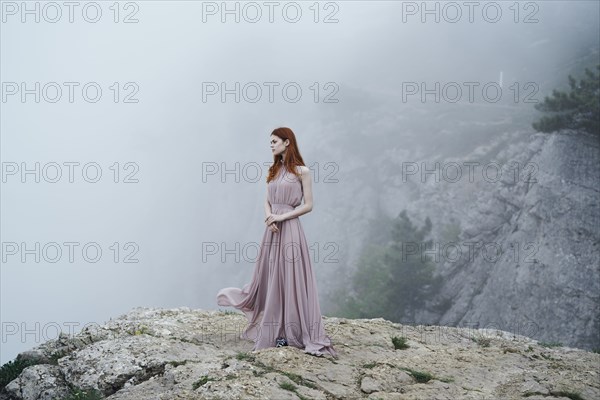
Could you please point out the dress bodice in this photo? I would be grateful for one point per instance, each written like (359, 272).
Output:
(285, 192)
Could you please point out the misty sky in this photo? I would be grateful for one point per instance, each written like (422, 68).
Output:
(169, 129)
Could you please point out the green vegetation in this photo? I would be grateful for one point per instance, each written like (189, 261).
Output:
(245, 356)
(143, 329)
(293, 377)
(265, 369)
(400, 343)
(288, 386)
(229, 312)
(54, 357)
(12, 369)
(203, 379)
(579, 109)
(420, 376)
(177, 363)
(84, 394)
(292, 388)
(393, 280)
(298, 379)
(560, 393)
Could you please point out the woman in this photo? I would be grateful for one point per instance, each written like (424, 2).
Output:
(281, 301)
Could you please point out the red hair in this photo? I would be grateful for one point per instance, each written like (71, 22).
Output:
(292, 155)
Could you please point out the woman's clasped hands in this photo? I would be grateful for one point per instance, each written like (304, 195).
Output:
(270, 221)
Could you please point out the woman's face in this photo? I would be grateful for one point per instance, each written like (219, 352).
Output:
(277, 145)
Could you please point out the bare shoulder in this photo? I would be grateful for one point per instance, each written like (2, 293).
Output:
(303, 170)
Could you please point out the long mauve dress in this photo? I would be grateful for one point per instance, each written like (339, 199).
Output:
(282, 298)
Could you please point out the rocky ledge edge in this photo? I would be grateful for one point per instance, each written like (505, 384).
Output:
(183, 353)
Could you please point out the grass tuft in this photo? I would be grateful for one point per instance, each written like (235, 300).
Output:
(246, 357)
(420, 376)
(84, 394)
(292, 388)
(228, 312)
(299, 380)
(288, 386)
(400, 343)
(201, 381)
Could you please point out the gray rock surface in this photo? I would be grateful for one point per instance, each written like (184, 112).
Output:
(545, 281)
(545, 285)
(542, 213)
(186, 353)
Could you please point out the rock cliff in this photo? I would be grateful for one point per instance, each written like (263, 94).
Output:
(526, 259)
(187, 353)
(536, 270)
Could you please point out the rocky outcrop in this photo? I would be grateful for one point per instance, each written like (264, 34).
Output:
(195, 354)
(535, 267)
(536, 203)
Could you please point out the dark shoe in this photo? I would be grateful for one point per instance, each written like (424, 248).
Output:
(280, 342)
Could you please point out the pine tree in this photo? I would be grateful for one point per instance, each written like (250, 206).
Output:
(392, 280)
(579, 109)
(411, 270)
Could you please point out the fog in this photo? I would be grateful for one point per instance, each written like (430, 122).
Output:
(157, 200)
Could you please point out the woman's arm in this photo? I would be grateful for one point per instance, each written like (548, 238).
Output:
(272, 226)
(268, 210)
(308, 198)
